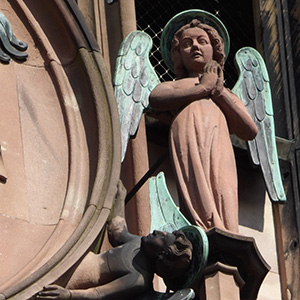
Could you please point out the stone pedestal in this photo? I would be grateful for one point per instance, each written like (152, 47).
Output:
(235, 268)
(222, 282)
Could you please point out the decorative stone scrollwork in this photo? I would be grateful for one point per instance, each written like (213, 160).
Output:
(10, 46)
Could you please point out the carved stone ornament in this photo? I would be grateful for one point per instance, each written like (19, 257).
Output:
(240, 252)
(59, 137)
(10, 45)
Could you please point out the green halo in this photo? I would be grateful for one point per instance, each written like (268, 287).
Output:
(199, 258)
(184, 18)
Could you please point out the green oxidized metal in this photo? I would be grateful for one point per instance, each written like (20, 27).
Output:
(253, 87)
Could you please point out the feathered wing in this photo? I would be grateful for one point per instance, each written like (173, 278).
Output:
(165, 216)
(134, 79)
(254, 89)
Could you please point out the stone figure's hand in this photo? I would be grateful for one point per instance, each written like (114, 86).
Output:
(53, 292)
(210, 76)
(118, 208)
(121, 194)
(220, 83)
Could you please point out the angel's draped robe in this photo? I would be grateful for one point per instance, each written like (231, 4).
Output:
(204, 164)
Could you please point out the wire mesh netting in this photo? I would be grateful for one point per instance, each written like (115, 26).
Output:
(237, 16)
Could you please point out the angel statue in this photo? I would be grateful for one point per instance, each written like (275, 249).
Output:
(194, 46)
(10, 45)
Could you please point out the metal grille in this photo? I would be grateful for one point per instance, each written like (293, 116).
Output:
(237, 16)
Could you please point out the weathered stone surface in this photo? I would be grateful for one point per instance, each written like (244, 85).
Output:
(59, 137)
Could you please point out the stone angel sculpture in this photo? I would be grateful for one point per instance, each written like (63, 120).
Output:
(194, 45)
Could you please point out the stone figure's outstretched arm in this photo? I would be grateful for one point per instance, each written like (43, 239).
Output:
(129, 284)
(117, 228)
(121, 288)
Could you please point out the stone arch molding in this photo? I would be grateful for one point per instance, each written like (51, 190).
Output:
(59, 137)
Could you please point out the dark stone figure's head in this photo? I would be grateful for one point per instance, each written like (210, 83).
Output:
(172, 252)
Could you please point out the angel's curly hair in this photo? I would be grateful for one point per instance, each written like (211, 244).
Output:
(215, 39)
(176, 259)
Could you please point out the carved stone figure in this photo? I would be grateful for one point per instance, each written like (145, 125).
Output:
(202, 112)
(127, 270)
(205, 113)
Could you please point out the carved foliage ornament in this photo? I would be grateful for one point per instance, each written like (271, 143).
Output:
(10, 46)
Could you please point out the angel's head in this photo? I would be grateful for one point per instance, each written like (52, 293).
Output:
(193, 45)
(172, 252)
